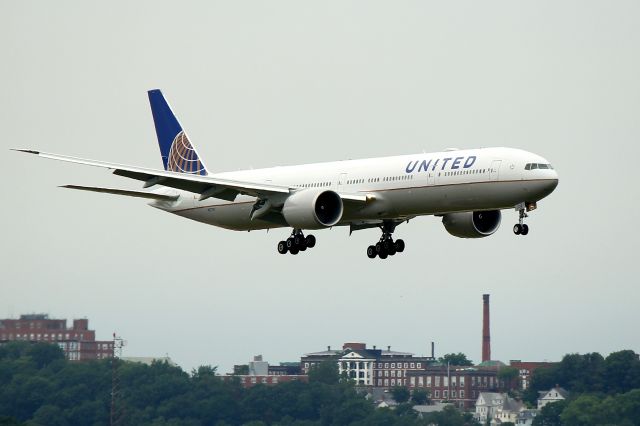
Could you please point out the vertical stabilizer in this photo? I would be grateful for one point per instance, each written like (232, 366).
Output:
(178, 155)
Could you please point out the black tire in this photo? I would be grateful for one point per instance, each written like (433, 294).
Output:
(282, 247)
(378, 248)
(525, 229)
(302, 247)
(392, 249)
(387, 244)
(383, 254)
(399, 246)
(517, 229)
(371, 252)
(310, 241)
(298, 240)
(294, 250)
(290, 243)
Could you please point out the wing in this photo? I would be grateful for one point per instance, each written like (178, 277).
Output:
(204, 185)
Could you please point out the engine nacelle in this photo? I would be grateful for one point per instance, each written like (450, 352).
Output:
(472, 224)
(313, 209)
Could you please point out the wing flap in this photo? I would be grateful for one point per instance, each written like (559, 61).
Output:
(138, 194)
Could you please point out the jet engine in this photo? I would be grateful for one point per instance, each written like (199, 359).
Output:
(313, 209)
(472, 224)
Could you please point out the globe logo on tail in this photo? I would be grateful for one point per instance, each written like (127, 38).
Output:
(183, 158)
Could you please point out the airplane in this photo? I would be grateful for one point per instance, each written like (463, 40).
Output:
(467, 188)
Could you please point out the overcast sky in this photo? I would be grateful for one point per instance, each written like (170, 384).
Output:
(258, 84)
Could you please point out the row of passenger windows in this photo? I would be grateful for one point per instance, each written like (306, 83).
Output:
(314, 185)
(464, 172)
(533, 166)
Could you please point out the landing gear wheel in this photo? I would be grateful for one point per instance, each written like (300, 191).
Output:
(392, 249)
(517, 229)
(310, 241)
(383, 254)
(298, 240)
(387, 244)
(399, 244)
(525, 229)
(290, 243)
(282, 247)
(378, 248)
(371, 252)
(294, 250)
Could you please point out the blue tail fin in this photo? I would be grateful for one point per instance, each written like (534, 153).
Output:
(178, 155)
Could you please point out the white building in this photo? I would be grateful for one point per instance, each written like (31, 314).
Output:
(487, 404)
(553, 395)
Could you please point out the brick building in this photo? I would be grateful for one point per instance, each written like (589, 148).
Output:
(259, 371)
(78, 342)
(526, 369)
(459, 385)
(369, 367)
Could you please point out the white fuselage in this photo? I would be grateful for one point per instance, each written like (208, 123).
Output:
(402, 186)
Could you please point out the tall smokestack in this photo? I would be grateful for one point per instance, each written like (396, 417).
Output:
(486, 336)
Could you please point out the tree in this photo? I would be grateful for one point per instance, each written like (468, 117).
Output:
(550, 414)
(458, 359)
(400, 394)
(325, 372)
(420, 397)
(622, 372)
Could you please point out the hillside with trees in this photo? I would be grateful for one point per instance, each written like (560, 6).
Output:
(38, 386)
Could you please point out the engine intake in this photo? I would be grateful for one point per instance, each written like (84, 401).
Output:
(472, 224)
(313, 209)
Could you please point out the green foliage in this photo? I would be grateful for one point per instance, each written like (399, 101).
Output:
(458, 359)
(450, 416)
(550, 414)
(326, 372)
(420, 397)
(400, 394)
(588, 373)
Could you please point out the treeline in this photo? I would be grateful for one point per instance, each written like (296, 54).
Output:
(601, 390)
(38, 386)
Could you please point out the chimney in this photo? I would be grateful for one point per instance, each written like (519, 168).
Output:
(328, 348)
(486, 336)
(374, 347)
(433, 350)
(389, 348)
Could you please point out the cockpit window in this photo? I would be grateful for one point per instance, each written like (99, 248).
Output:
(534, 166)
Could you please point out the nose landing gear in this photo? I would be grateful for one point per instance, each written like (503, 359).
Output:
(296, 243)
(521, 228)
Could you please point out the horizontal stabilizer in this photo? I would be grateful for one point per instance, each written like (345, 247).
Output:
(148, 195)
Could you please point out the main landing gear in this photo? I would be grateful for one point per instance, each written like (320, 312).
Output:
(521, 228)
(296, 243)
(386, 246)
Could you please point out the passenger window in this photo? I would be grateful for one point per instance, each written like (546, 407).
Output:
(528, 166)
(534, 166)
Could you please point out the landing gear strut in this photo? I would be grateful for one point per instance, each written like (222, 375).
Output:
(386, 246)
(521, 228)
(296, 243)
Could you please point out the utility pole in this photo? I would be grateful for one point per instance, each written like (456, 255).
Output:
(116, 408)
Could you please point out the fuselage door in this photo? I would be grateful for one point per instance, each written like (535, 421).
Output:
(342, 180)
(494, 172)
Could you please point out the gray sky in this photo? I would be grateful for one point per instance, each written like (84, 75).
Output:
(258, 84)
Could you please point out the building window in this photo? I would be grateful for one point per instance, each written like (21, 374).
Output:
(413, 381)
(393, 373)
(461, 394)
(461, 381)
(386, 365)
(386, 373)
(437, 394)
(274, 379)
(393, 382)
(445, 394)
(406, 365)
(420, 381)
(413, 365)
(453, 393)
(428, 381)
(253, 379)
(386, 382)
(393, 365)
(445, 380)
(437, 384)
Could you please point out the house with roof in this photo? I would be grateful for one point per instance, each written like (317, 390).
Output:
(525, 417)
(497, 408)
(553, 395)
(487, 404)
